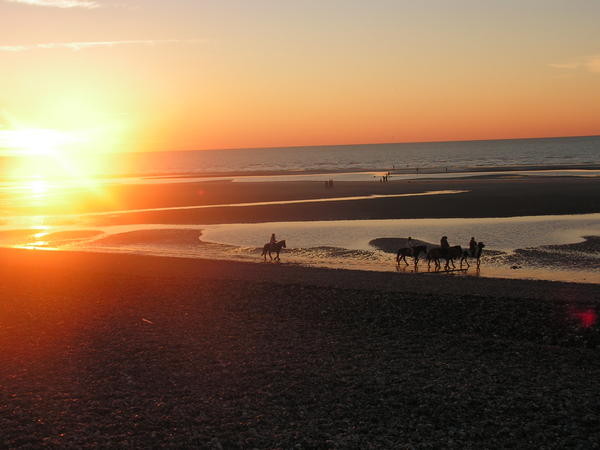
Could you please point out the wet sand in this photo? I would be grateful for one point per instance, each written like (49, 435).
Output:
(487, 197)
(124, 350)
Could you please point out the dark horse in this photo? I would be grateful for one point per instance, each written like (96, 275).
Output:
(276, 247)
(410, 251)
(477, 255)
(449, 254)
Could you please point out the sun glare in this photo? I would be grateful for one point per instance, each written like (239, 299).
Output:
(38, 187)
(49, 154)
(35, 141)
(51, 169)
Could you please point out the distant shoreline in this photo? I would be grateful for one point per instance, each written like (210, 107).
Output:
(425, 170)
(316, 146)
(393, 171)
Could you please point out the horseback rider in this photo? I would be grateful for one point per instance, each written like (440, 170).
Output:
(444, 245)
(473, 247)
(273, 240)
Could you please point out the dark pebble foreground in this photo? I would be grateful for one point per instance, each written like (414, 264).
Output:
(110, 357)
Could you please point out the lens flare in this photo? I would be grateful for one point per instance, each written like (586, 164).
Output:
(37, 141)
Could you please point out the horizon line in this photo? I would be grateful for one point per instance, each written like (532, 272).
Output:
(283, 147)
(288, 147)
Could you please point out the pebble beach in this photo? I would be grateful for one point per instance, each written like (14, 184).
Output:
(122, 350)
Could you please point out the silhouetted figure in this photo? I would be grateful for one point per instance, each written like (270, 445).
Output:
(444, 245)
(476, 253)
(273, 248)
(473, 247)
(444, 242)
(273, 240)
(409, 242)
(479, 251)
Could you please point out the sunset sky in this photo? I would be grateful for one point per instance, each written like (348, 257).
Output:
(146, 75)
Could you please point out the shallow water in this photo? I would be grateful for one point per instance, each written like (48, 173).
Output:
(374, 176)
(346, 244)
(506, 234)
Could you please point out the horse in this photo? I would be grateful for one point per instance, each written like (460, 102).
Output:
(436, 253)
(467, 254)
(276, 247)
(410, 251)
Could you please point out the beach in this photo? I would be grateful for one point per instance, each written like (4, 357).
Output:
(142, 315)
(533, 226)
(125, 350)
(487, 196)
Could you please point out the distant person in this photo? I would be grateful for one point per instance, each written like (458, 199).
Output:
(473, 247)
(409, 242)
(444, 242)
(444, 245)
(273, 240)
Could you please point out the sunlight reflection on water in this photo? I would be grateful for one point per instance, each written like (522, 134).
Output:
(504, 234)
(341, 244)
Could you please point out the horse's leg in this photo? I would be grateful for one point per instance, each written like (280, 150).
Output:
(404, 259)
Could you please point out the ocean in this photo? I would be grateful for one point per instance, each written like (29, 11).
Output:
(427, 157)
(579, 151)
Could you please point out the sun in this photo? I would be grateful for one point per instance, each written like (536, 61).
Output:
(39, 141)
(44, 153)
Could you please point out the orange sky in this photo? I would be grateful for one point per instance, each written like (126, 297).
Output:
(152, 75)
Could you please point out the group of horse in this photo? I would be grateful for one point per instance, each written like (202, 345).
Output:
(435, 254)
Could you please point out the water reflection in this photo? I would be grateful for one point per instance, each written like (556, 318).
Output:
(337, 244)
(502, 236)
